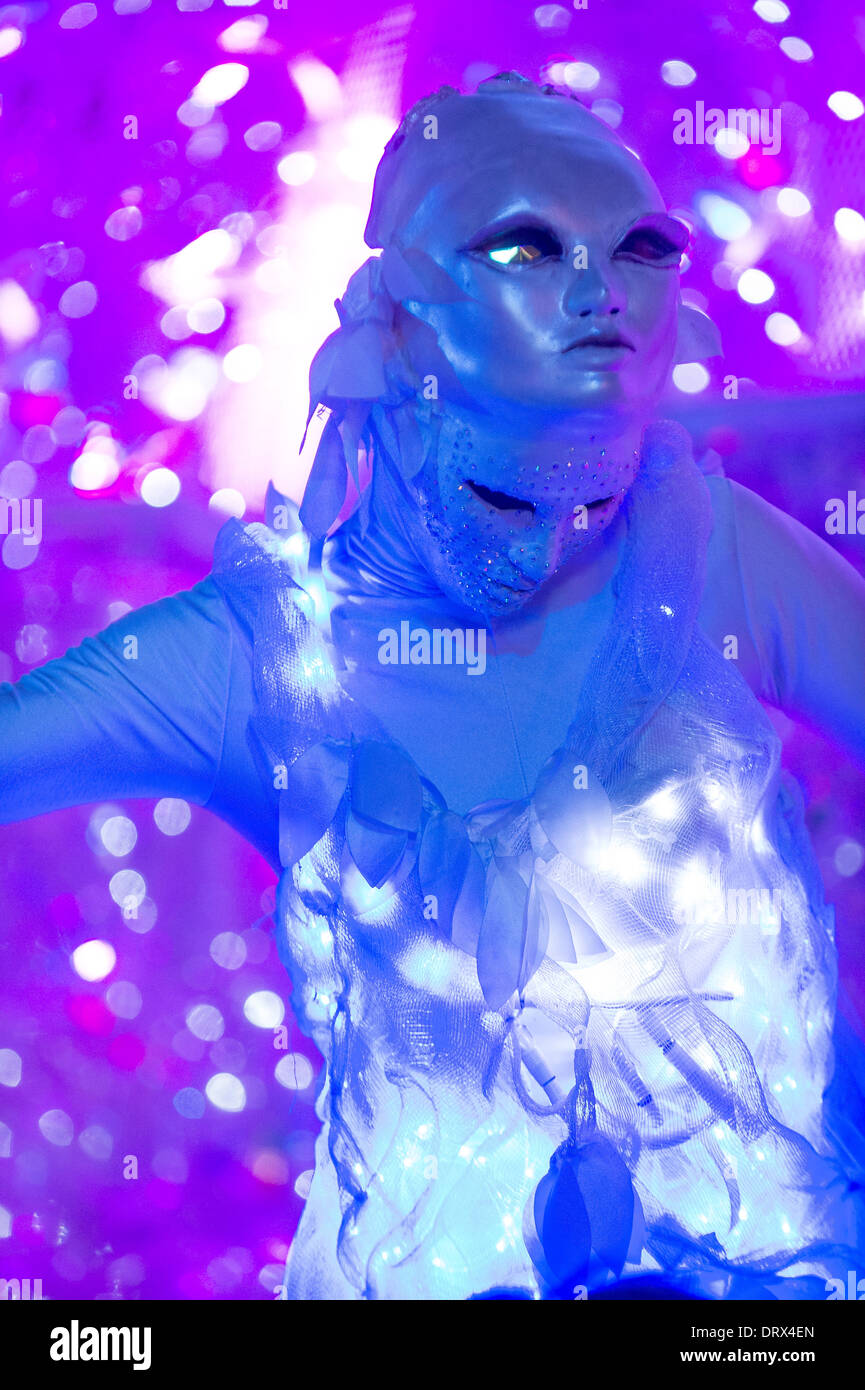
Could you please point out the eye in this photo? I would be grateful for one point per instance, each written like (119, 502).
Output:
(656, 245)
(524, 245)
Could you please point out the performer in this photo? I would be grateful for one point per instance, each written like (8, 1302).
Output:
(490, 705)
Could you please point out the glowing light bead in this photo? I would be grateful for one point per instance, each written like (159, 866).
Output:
(124, 224)
(554, 17)
(93, 960)
(11, 40)
(93, 470)
(205, 1022)
(127, 887)
(797, 49)
(226, 1092)
(773, 11)
(782, 329)
(220, 84)
(228, 950)
(242, 363)
(850, 225)
(793, 202)
(849, 858)
(172, 815)
(10, 1067)
(79, 300)
(19, 318)
(124, 999)
(583, 77)
(725, 218)
(302, 1183)
(294, 1071)
(297, 168)
(262, 136)
(118, 835)
(243, 36)
(56, 1126)
(228, 502)
(690, 377)
(206, 316)
(846, 105)
(189, 1103)
(755, 286)
(264, 1009)
(78, 16)
(608, 111)
(730, 143)
(677, 74)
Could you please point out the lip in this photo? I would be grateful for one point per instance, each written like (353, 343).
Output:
(601, 349)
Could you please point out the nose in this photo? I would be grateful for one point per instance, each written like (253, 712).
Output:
(594, 289)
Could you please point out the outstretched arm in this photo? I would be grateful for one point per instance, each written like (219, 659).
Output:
(138, 710)
(803, 610)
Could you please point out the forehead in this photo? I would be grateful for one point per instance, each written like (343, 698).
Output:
(491, 156)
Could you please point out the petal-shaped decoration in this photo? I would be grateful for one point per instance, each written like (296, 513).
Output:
(314, 787)
(698, 337)
(359, 896)
(469, 910)
(356, 367)
(385, 786)
(605, 1183)
(411, 449)
(429, 281)
(562, 1221)
(326, 486)
(560, 944)
(375, 849)
(443, 864)
(573, 809)
(502, 944)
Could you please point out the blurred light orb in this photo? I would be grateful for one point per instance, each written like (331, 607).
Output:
(773, 11)
(849, 858)
(677, 74)
(93, 471)
(127, 886)
(303, 1182)
(205, 1022)
(228, 950)
(206, 316)
(793, 202)
(172, 815)
(78, 17)
(264, 135)
(119, 835)
(731, 143)
(264, 1009)
(56, 1126)
(79, 300)
(124, 224)
(11, 40)
(242, 363)
(582, 77)
(294, 1071)
(228, 502)
(846, 105)
(220, 84)
(554, 17)
(93, 960)
(19, 318)
(124, 999)
(96, 1142)
(226, 1092)
(797, 50)
(160, 487)
(243, 36)
(850, 224)
(608, 111)
(17, 479)
(296, 168)
(755, 286)
(10, 1067)
(725, 218)
(690, 377)
(271, 1166)
(783, 330)
(189, 1103)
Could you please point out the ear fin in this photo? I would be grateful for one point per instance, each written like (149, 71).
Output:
(698, 336)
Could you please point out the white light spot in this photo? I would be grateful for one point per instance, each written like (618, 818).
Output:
(773, 11)
(783, 330)
(677, 74)
(726, 219)
(10, 1067)
(690, 377)
(220, 84)
(228, 950)
(264, 1009)
(93, 960)
(56, 1126)
(850, 225)
(793, 202)
(124, 999)
(242, 363)
(226, 1092)
(846, 105)
(205, 1021)
(296, 168)
(172, 815)
(228, 502)
(581, 76)
(755, 286)
(160, 487)
(294, 1071)
(11, 40)
(849, 858)
(93, 470)
(79, 300)
(797, 50)
(730, 143)
(118, 835)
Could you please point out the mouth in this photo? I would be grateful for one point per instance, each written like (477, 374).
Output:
(601, 342)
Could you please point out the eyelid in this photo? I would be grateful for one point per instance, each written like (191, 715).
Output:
(483, 239)
(675, 231)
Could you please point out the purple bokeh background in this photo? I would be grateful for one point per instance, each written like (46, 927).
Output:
(214, 1204)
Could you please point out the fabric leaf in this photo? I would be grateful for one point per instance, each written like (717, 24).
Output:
(326, 487)
(385, 786)
(314, 787)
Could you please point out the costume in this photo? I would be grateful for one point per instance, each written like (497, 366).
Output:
(578, 1026)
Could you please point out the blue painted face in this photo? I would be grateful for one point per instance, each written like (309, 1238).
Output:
(561, 338)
